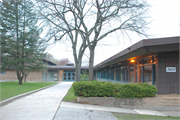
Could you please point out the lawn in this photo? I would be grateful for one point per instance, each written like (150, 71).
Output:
(121, 116)
(12, 88)
(70, 97)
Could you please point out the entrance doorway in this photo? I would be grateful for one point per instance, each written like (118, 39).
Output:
(69, 76)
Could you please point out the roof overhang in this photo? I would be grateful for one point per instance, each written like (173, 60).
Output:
(67, 68)
(141, 49)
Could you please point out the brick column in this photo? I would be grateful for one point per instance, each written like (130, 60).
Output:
(138, 73)
(135, 74)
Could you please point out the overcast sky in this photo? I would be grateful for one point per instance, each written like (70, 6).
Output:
(165, 23)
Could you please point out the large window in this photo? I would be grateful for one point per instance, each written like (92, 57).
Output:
(3, 72)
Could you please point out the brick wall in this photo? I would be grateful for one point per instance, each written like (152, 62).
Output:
(11, 75)
(61, 75)
(34, 76)
(160, 102)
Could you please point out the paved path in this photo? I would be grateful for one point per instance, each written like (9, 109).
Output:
(110, 109)
(37, 106)
(7, 80)
(46, 105)
(81, 114)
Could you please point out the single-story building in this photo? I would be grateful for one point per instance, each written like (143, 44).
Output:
(152, 61)
(53, 73)
(62, 73)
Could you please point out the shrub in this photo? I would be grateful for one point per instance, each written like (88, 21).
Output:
(107, 89)
(84, 76)
(93, 89)
(137, 90)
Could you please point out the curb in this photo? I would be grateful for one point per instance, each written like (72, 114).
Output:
(5, 102)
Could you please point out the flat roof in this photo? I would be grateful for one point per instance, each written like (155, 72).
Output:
(67, 68)
(49, 62)
(143, 48)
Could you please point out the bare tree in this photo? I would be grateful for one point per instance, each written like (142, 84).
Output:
(93, 20)
(63, 61)
(64, 22)
(49, 56)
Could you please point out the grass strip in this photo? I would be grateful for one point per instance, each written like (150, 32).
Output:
(122, 116)
(12, 88)
(70, 97)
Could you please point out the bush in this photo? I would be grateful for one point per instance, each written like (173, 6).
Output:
(132, 90)
(107, 89)
(93, 89)
(84, 76)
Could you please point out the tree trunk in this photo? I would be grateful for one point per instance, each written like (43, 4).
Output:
(20, 82)
(20, 77)
(78, 72)
(91, 63)
(25, 73)
(25, 78)
(78, 61)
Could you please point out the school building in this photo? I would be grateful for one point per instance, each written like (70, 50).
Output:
(152, 61)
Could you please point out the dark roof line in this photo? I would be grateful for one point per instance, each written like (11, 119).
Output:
(48, 61)
(143, 43)
(66, 67)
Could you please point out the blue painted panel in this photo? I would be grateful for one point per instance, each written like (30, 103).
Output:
(69, 76)
(112, 74)
(117, 74)
(49, 76)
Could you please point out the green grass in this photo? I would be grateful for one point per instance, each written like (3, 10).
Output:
(70, 97)
(12, 88)
(121, 116)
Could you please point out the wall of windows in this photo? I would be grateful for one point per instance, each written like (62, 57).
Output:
(131, 71)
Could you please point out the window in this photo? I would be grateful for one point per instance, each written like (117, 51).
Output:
(3, 72)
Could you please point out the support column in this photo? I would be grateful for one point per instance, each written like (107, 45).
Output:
(143, 71)
(138, 73)
(134, 74)
(114, 74)
(110, 73)
(153, 71)
(125, 75)
(128, 73)
(120, 73)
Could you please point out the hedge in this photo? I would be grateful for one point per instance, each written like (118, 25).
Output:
(107, 89)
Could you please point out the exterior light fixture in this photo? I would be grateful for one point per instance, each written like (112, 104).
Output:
(132, 61)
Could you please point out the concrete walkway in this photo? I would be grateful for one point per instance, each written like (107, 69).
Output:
(110, 109)
(37, 106)
(46, 105)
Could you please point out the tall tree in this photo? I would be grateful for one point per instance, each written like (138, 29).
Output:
(123, 16)
(51, 58)
(93, 20)
(20, 41)
(56, 17)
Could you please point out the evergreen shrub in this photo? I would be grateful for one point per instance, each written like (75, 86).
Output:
(84, 76)
(107, 89)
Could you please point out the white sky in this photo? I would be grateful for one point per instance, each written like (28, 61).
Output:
(165, 23)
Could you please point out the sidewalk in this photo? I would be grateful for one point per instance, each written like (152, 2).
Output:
(119, 110)
(44, 105)
(41, 105)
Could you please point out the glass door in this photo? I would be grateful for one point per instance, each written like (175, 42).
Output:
(69, 76)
